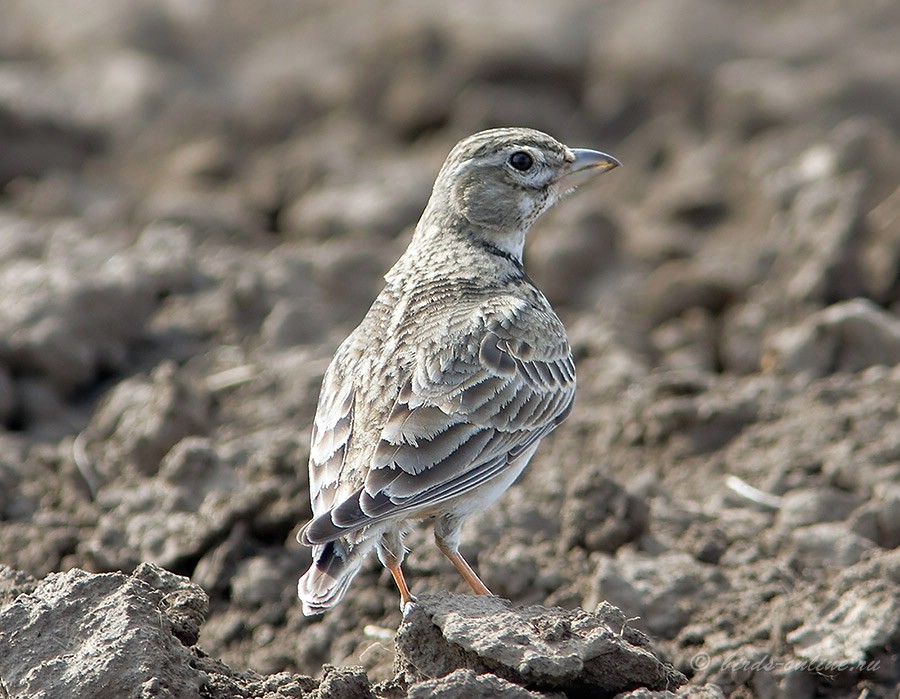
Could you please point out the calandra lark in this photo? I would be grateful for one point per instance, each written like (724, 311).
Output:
(434, 405)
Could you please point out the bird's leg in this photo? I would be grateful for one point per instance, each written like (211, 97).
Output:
(446, 535)
(469, 575)
(397, 573)
(392, 562)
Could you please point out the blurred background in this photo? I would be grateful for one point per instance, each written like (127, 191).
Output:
(198, 201)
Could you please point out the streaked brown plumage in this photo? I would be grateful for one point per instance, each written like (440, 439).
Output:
(434, 405)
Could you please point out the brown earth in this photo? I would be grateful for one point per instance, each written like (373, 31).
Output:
(198, 202)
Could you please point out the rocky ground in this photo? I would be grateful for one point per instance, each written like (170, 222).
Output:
(198, 202)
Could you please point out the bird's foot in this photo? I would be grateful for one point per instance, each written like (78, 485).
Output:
(406, 605)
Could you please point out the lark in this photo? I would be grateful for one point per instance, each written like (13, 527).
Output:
(436, 403)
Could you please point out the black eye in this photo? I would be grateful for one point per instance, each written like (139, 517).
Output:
(521, 160)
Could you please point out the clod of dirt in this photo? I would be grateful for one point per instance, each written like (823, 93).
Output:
(853, 619)
(14, 583)
(463, 684)
(663, 591)
(75, 314)
(143, 418)
(79, 634)
(196, 486)
(600, 515)
(840, 629)
(848, 336)
(572, 651)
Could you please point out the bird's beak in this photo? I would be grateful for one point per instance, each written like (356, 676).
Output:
(587, 164)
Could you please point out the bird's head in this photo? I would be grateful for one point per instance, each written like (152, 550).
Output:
(501, 180)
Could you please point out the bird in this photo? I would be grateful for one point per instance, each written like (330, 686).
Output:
(434, 405)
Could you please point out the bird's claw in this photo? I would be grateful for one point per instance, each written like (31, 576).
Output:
(406, 606)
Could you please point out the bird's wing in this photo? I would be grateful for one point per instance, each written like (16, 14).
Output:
(330, 437)
(460, 417)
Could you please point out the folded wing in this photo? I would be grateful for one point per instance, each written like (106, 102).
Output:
(460, 418)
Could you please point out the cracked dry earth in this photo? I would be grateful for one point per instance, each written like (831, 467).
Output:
(198, 202)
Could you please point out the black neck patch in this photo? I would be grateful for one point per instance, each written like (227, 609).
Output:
(498, 252)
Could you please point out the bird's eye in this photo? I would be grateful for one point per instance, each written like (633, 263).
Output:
(521, 160)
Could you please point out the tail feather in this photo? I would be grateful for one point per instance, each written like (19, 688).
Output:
(333, 568)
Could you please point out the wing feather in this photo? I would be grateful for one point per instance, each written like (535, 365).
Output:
(330, 437)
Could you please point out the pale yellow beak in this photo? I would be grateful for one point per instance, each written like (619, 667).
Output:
(587, 165)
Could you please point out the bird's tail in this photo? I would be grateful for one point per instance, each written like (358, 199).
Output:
(333, 568)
